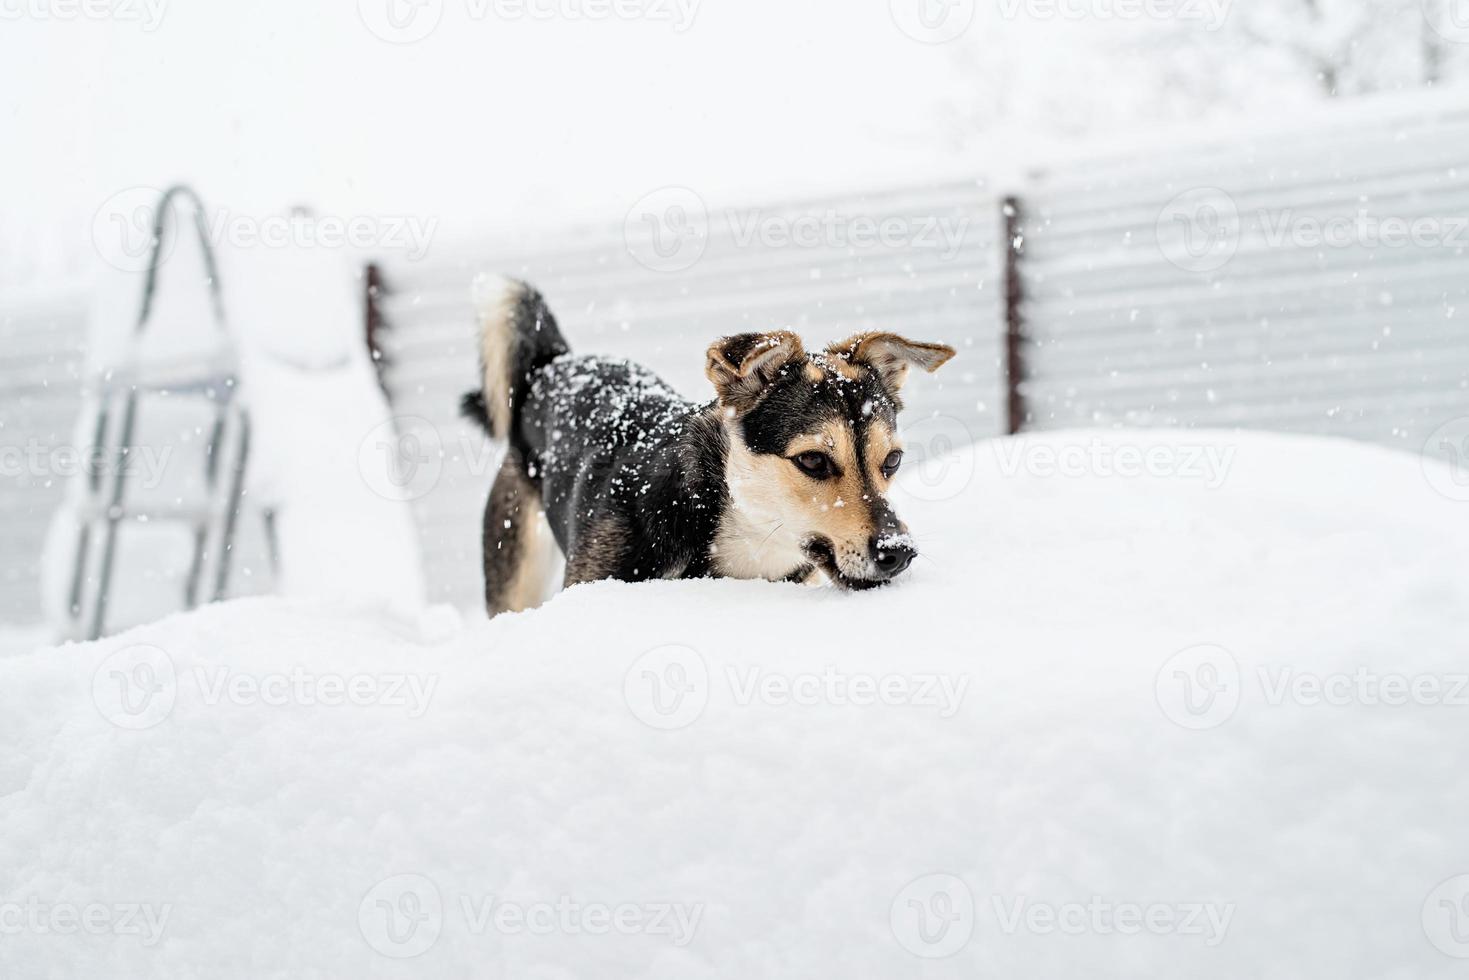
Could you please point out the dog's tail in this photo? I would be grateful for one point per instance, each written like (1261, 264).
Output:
(517, 336)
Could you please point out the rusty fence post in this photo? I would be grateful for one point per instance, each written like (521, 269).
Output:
(1014, 324)
(372, 319)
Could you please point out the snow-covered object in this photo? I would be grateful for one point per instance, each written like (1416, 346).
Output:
(323, 431)
(1139, 713)
(294, 330)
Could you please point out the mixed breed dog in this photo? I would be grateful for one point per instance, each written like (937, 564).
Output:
(784, 476)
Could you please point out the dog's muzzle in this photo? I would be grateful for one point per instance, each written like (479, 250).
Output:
(889, 557)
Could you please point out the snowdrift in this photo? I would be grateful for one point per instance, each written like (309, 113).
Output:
(1184, 705)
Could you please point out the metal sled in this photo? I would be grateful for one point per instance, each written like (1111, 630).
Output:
(118, 395)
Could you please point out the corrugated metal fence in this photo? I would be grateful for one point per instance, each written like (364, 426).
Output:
(1317, 282)
(42, 359)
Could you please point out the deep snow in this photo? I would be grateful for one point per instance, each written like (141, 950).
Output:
(1083, 739)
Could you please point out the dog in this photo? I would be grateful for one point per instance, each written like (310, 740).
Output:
(783, 476)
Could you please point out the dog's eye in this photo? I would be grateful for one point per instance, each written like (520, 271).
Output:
(816, 465)
(891, 464)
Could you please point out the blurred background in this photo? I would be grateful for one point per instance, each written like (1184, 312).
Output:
(1184, 213)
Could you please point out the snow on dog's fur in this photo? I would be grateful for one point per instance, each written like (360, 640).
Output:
(783, 476)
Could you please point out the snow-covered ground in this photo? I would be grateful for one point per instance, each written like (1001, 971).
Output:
(1204, 722)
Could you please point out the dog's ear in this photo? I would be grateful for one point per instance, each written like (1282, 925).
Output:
(889, 355)
(743, 365)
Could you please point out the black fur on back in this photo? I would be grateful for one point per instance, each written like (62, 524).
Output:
(618, 455)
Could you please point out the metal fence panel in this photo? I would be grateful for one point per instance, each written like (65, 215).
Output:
(1314, 283)
(41, 372)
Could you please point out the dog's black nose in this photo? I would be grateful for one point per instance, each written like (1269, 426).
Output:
(892, 555)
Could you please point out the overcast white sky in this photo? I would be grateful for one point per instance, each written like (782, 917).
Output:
(487, 118)
(511, 116)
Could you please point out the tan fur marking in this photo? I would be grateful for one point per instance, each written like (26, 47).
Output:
(881, 440)
(494, 300)
(774, 507)
(519, 547)
(760, 532)
(527, 586)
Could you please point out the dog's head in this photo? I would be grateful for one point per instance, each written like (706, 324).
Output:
(813, 446)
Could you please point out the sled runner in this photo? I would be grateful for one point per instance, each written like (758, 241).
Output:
(121, 394)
